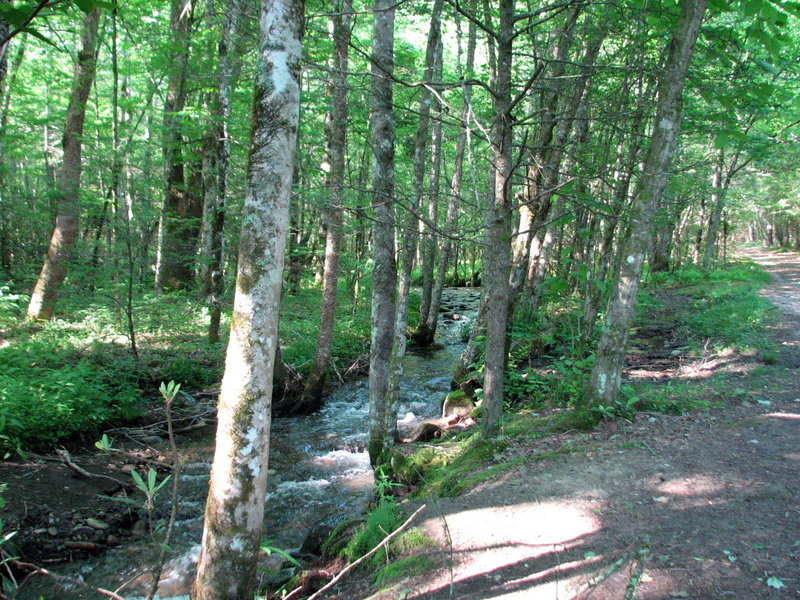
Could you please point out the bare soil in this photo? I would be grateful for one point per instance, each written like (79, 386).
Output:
(700, 506)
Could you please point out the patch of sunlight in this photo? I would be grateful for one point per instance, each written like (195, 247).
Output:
(488, 540)
(692, 486)
(783, 415)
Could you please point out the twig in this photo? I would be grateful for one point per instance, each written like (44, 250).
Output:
(37, 570)
(607, 572)
(352, 565)
(641, 558)
(174, 509)
(67, 460)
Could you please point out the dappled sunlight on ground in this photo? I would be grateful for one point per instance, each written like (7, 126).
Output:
(783, 415)
(524, 541)
(692, 486)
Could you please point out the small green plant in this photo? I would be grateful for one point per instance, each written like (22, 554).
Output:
(268, 548)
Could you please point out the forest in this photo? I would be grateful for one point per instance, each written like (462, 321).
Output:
(244, 219)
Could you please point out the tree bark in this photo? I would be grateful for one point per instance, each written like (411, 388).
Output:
(181, 213)
(606, 375)
(384, 274)
(455, 192)
(54, 270)
(428, 253)
(235, 506)
(336, 132)
(219, 159)
(497, 253)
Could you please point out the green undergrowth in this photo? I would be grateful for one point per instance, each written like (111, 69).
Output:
(80, 374)
(724, 310)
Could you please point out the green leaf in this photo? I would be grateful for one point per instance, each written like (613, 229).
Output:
(121, 499)
(268, 549)
(137, 479)
(775, 583)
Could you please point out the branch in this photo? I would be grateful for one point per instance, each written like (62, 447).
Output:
(37, 570)
(352, 565)
(473, 19)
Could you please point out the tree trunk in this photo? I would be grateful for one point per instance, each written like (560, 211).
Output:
(455, 194)
(606, 375)
(497, 254)
(384, 273)
(420, 163)
(409, 248)
(219, 160)
(428, 253)
(336, 130)
(181, 212)
(54, 270)
(235, 507)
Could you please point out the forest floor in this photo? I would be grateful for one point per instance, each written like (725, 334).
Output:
(703, 505)
(700, 506)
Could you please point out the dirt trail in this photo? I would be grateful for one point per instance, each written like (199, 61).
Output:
(714, 497)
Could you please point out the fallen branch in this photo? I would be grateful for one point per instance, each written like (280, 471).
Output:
(636, 576)
(67, 460)
(352, 565)
(37, 570)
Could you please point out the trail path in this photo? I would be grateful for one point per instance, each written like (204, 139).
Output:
(714, 496)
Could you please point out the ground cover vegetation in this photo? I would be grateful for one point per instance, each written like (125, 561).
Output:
(159, 160)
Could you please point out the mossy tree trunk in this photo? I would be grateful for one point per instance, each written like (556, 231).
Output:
(606, 375)
(235, 506)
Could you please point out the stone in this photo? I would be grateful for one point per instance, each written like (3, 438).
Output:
(97, 523)
(83, 530)
(425, 433)
(457, 404)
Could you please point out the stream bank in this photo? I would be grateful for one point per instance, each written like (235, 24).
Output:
(319, 476)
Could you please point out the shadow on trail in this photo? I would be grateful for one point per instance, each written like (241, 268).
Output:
(716, 502)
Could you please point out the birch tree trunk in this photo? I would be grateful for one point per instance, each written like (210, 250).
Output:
(606, 375)
(235, 506)
(384, 273)
(336, 131)
(54, 270)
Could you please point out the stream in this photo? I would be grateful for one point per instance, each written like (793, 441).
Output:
(319, 470)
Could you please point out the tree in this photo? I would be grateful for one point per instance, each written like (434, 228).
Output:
(235, 506)
(408, 250)
(336, 139)
(54, 271)
(384, 274)
(181, 212)
(216, 169)
(609, 361)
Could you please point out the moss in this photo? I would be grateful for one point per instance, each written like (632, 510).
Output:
(405, 567)
(383, 519)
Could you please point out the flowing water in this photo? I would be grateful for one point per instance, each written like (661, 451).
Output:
(319, 468)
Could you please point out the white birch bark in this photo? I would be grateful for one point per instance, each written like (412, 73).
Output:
(235, 506)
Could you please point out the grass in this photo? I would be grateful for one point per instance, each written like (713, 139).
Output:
(80, 375)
